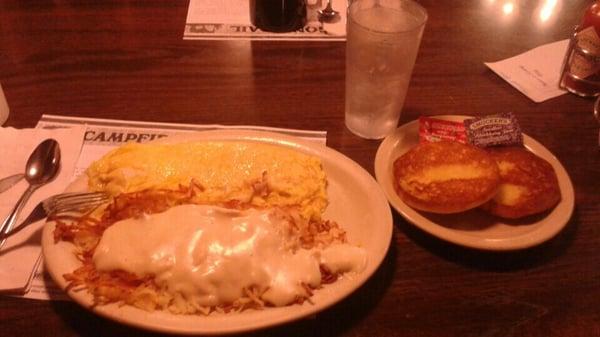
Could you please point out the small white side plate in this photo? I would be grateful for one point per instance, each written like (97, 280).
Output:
(475, 229)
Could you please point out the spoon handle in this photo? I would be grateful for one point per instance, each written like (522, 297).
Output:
(12, 217)
(10, 181)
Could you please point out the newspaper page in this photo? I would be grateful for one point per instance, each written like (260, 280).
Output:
(101, 136)
(230, 20)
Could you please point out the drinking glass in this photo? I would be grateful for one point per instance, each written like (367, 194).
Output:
(382, 42)
(278, 15)
(3, 107)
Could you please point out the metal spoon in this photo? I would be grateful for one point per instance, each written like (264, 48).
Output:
(328, 13)
(42, 166)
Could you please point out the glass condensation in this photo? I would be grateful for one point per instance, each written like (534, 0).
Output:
(382, 45)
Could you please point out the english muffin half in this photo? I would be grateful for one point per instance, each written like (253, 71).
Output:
(445, 177)
(529, 184)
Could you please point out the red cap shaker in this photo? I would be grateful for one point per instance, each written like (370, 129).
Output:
(581, 67)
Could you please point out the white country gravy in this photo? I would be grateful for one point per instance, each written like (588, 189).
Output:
(210, 254)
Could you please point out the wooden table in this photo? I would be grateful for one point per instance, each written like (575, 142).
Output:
(127, 60)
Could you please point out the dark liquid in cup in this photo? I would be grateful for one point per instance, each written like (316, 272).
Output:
(278, 15)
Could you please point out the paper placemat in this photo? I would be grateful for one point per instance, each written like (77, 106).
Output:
(230, 20)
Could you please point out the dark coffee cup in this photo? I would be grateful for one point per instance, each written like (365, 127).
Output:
(278, 15)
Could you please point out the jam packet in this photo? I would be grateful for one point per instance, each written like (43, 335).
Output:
(435, 129)
(499, 129)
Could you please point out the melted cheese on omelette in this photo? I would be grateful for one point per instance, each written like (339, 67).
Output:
(226, 171)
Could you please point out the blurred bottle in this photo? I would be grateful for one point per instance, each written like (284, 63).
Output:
(278, 15)
(581, 68)
(3, 107)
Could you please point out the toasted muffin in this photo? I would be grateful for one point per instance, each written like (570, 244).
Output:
(445, 177)
(529, 184)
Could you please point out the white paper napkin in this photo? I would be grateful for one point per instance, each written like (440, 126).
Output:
(535, 73)
(20, 253)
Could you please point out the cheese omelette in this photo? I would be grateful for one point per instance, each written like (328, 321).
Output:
(226, 171)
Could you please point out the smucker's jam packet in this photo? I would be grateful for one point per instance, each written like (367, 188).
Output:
(435, 129)
(499, 129)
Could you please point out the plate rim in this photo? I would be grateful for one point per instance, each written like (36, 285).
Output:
(298, 144)
(535, 237)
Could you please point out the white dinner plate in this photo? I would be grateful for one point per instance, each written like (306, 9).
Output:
(356, 202)
(475, 229)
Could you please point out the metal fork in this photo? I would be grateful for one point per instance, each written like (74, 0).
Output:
(57, 204)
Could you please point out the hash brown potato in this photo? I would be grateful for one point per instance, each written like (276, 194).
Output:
(446, 177)
(529, 184)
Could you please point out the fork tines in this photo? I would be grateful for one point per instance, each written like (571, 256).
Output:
(75, 202)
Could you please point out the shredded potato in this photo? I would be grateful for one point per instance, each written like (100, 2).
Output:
(118, 286)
